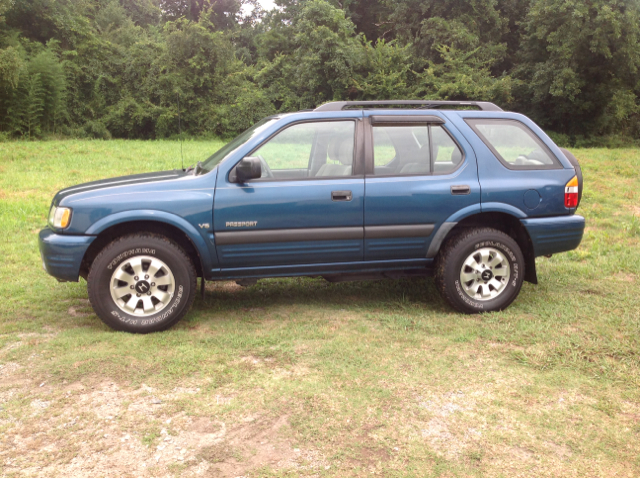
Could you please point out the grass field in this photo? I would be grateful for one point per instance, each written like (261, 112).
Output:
(300, 377)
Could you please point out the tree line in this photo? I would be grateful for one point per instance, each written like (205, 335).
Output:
(119, 68)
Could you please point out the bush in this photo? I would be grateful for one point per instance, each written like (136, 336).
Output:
(96, 130)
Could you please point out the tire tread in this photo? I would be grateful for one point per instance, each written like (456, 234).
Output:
(141, 237)
(446, 256)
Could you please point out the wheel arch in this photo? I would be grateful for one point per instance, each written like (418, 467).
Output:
(508, 224)
(117, 229)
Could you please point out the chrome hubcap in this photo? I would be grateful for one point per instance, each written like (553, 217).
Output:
(485, 274)
(142, 286)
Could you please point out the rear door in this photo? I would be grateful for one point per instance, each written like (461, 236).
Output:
(517, 168)
(419, 172)
(308, 206)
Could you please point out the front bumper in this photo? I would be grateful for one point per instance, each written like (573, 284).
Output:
(62, 254)
(555, 234)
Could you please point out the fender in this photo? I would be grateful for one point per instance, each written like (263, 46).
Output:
(161, 217)
(450, 223)
(503, 208)
(445, 227)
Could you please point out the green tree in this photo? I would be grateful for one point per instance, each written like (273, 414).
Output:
(386, 73)
(320, 57)
(107, 68)
(52, 81)
(580, 64)
(11, 66)
(30, 106)
(5, 5)
(464, 25)
(463, 76)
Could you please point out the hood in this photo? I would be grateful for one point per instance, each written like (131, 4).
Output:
(119, 181)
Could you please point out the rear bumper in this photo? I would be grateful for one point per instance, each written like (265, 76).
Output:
(556, 234)
(62, 254)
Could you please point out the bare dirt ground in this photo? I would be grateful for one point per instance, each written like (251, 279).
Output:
(104, 429)
(485, 416)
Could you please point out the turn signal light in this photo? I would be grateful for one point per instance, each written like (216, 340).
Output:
(59, 217)
(66, 216)
(571, 193)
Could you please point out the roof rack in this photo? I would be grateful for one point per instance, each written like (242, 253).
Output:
(421, 104)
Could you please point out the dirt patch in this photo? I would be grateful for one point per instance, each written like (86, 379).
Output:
(562, 451)
(8, 373)
(8, 369)
(635, 209)
(10, 346)
(454, 425)
(259, 443)
(223, 286)
(73, 312)
(369, 458)
(626, 277)
(110, 430)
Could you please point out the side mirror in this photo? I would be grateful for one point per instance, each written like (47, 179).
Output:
(248, 168)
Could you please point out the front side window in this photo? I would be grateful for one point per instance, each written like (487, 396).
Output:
(514, 144)
(308, 150)
(213, 161)
(414, 150)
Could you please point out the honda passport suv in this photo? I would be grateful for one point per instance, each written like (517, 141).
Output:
(349, 191)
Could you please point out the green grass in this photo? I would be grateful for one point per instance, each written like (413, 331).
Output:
(300, 377)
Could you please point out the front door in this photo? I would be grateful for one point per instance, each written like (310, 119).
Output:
(307, 208)
(417, 176)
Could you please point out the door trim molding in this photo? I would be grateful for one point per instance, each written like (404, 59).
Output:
(288, 235)
(398, 231)
(322, 234)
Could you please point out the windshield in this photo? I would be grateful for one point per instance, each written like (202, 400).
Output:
(213, 161)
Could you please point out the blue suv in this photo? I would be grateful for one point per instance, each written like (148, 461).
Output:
(349, 191)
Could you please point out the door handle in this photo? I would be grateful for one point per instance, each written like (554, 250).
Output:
(461, 190)
(341, 196)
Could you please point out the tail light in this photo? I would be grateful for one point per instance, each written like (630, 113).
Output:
(571, 193)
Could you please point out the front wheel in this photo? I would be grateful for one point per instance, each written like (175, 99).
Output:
(141, 283)
(480, 270)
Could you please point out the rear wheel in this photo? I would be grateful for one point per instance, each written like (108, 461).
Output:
(480, 270)
(141, 283)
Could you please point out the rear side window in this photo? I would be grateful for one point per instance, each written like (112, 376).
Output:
(405, 150)
(514, 144)
(446, 154)
(383, 150)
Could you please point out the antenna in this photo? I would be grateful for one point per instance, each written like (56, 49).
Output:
(180, 131)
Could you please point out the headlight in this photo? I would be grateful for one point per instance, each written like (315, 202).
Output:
(59, 217)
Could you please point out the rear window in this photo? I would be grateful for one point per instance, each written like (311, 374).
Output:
(514, 144)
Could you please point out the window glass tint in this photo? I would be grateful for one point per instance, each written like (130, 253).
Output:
(309, 149)
(397, 150)
(211, 162)
(290, 148)
(513, 143)
(447, 156)
(421, 135)
(405, 150)
(383, 150)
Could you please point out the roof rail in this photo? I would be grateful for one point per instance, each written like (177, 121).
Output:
(422, 104)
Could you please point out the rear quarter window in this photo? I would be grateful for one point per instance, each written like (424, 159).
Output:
(514, 144)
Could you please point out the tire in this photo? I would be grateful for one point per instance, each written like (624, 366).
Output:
(121, 287)
(460, 271)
